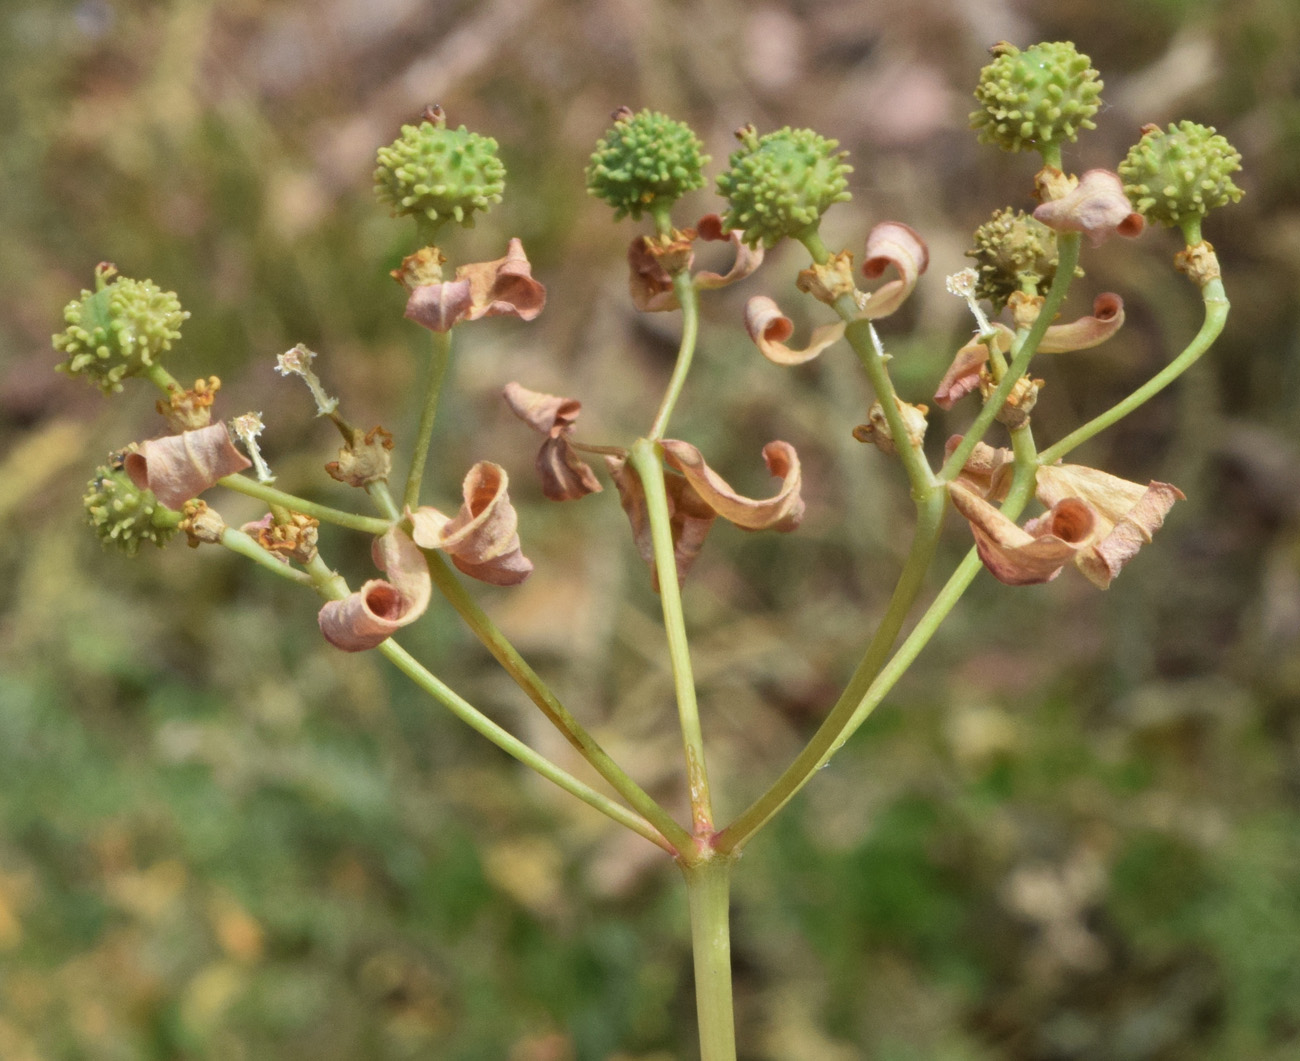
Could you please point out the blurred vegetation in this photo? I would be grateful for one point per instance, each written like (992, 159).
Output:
(1073, 832)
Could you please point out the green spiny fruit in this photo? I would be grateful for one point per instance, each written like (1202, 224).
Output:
(436, 174)
(118, 330)
(1177, 174)
(645, 161)
(123, 514)
(1036, 98)
(781, 184)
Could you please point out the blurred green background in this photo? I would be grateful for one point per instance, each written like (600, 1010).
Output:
(1072, 832)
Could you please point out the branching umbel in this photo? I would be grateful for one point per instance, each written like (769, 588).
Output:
(777, 187)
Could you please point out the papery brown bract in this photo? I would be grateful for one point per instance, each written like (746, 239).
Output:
(689, 517)
(369, 616)
(564, 475)
(482, 539)
(502, 287)
(698, 495)
(1128, 513)
(1096, 206)
(963, 375)
(649, 283)
(747, 259)
(179, 467)
(892, 243)
(769, 328)
(1122, 515)
(782, 512)
(1030, 555)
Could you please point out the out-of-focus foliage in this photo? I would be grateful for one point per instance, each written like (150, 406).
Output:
(1074, 832)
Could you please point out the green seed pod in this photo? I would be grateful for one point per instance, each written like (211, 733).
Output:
(1012, 249)
(781, 183)
(1037, 98)
(118, 330)
(125, 515)
(645, 161)
(1181, 173)
(436, 174)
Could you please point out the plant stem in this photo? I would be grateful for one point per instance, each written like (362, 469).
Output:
(834, 731)
(269, 494)
(527, 679)
(245, 545)
(1216, 316)
(862, 337)
(645, 460)
(424, 433)
(1067, 245)
(243, 485)
(331, 586)
(689, 299)
(708, 887)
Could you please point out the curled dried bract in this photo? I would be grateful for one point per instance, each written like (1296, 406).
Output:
(698, 495)
(770, 328)
(565, 476)
(892, 243)
(179, 467)
(380, 608)
(503, 287)
(1096, 206)
(482, 539)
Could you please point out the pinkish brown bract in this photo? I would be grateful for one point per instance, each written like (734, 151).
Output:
(482, 539)
(179, 467)
(369, 616)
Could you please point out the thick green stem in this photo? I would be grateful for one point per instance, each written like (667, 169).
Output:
(424, 433)
(833, 731)
(708, 888)
(243, 485)
(689, 299)
(1216, 316)
(527, 679)
(645, 460)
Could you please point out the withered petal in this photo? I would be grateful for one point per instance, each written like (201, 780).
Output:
(502, 287)
(689, 517)
(547, 414)
(963, 374)
(648, 281)
(1103, 561)
(1030, 555)
(439, 306)
(482, 539)
(782, 512)
(565, 476)
(1086, 332)
(770, 328)
(1096, 206)
(370, 615)
(179, 467)
(746, 261)
(893, 243)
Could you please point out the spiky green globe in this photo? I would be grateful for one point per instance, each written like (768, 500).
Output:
(781, 183)
(124, 515)
(645, 161)
(436, 174)
(1013, 252)
(1037, 98)
(118, 330)
(1181, 173)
